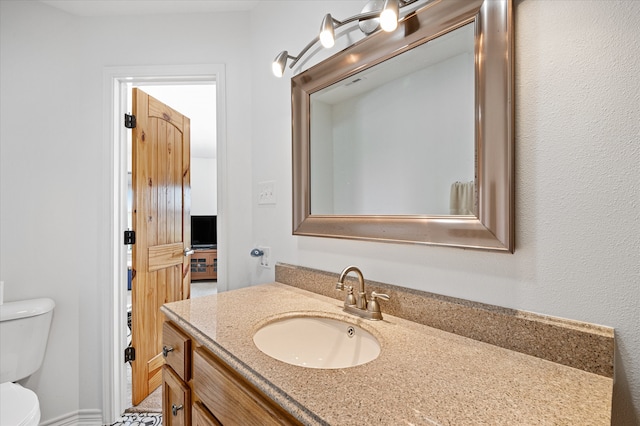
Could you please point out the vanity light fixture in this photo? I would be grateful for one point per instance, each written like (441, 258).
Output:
(385, 17)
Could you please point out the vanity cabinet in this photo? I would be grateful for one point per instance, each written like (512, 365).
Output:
(199, 388)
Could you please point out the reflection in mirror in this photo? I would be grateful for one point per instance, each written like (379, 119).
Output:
(398, 138)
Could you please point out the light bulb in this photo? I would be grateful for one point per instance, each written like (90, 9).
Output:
(278, 64)
(327, 34)
(326, 39)
(277, 69)
(389, 16)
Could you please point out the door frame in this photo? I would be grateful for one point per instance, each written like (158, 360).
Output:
(115, 148)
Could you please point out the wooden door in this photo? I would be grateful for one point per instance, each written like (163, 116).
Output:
(161, 221)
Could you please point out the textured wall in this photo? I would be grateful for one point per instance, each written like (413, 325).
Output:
(577, 176)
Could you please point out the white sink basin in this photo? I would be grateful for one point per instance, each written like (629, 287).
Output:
(317, 342)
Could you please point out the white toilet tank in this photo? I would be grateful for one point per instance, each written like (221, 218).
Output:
(24, 330)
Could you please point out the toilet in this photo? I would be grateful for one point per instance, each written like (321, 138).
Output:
(24, 329)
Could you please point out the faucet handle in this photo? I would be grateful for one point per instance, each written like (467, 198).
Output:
(350, 300)
(373, 305)
(382, 296)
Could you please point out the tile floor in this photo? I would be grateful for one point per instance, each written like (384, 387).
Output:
(139, 419)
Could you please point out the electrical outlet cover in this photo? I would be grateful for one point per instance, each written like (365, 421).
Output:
(265, 259)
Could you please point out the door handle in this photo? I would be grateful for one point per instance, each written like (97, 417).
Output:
(188, 251)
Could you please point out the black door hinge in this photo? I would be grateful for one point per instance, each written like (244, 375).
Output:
(130, 121)
(130, 354)
(129, 237)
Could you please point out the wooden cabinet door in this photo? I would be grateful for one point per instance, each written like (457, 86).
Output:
(176, 399)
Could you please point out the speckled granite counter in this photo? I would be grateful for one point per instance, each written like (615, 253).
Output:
(423, 376)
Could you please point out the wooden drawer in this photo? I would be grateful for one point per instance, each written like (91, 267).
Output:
(202, 417)
(231, 399)
(176, 348)
(176, 399)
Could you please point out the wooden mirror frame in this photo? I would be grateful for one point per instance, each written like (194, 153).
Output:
(493, 229)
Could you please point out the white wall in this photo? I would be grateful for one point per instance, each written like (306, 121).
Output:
(578, 182)
(47, 206)
(55, 170)
(204, 181)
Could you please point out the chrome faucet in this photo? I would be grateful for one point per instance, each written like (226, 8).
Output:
(358, 304)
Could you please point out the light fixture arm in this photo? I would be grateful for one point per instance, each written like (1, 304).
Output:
(303, 51)
(364, 16)
(337, 24)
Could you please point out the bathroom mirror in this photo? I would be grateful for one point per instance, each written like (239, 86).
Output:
(395, 138)
(408, 136)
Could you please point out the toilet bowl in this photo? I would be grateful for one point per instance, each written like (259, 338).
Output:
(24, 331)
(18, 406)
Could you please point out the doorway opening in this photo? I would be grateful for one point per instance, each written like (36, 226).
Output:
(195, 100)
(202, 88)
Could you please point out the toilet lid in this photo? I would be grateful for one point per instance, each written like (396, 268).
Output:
(19, 405)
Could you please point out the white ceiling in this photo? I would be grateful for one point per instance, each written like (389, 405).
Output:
(148, 7)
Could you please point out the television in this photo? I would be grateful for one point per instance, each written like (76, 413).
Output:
(204, 232)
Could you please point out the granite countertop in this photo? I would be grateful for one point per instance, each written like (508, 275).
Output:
(423, 376)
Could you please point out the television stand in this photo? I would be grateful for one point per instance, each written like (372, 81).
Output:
(204, 264)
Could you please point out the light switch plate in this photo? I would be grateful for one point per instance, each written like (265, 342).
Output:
(267, 192)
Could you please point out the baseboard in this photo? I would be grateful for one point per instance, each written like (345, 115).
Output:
(78, 418)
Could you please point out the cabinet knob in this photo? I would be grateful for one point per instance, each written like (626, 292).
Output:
(166, 350)
(175, 408)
